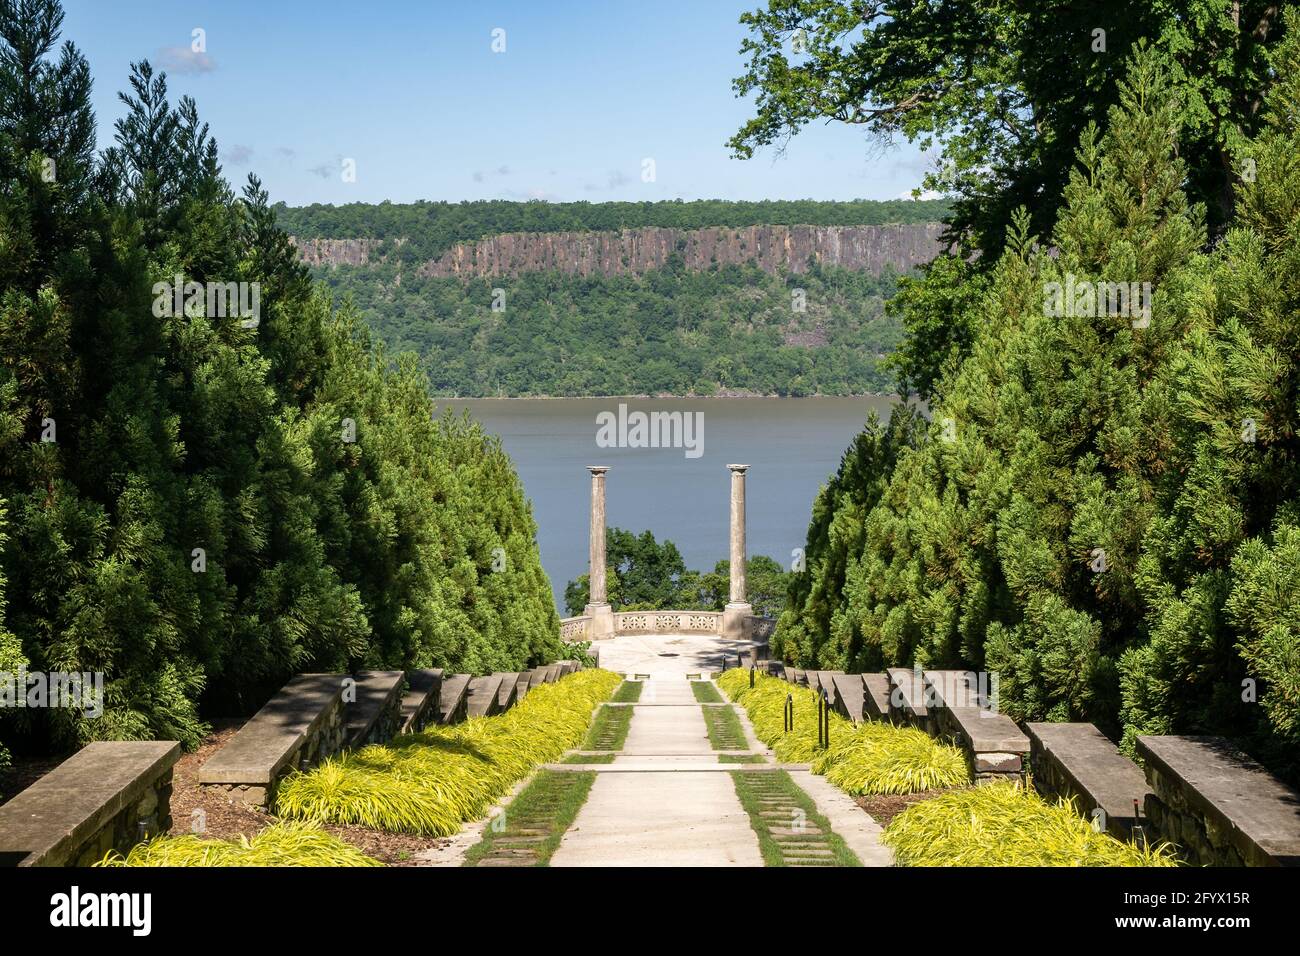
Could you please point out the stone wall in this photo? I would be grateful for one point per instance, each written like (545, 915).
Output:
(108, 796)
(1220, 807)
(298, 728)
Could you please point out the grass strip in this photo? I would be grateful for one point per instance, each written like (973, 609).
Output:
(529, 830)
(629, 692)
(1005, 825)
(590, 758)
(725, 730)
(741, 758)
(705, 692)
(608, 729)
(775, 802)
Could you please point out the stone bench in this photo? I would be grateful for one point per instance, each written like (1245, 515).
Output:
(952, 688)
(107, 796)
(508, 691)
(995, 747)
(537, 677)
(481, 696)
(1221, 807)
(776, 669)
(521, 686)
(1077, 760)
(907, 699)
(299, 727)
(452, 698)
(420, 702)
(819, 681)
(849, 696)
(552, 673)
(375, 715)
(875, 696)
(796, 676)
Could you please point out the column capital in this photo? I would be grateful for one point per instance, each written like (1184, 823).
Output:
(739, 469)
(598, 469)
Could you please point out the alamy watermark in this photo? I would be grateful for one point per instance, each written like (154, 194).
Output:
(1083, 298)
(82, 691)
(215, 300)
(639, 429)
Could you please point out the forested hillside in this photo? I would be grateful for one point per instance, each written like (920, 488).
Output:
(1104, 508)
(198, 504)
(552, 303)
(672, 331)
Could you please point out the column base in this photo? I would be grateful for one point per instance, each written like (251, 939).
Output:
(602, 620)
(735, 621)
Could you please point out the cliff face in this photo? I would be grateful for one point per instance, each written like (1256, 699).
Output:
(634, 251)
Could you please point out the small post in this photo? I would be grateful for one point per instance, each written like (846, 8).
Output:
(788, 713)
(1138, 828)
(751, 677)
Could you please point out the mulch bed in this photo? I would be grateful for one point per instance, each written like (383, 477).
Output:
(884, 807)
(227, 821)
(221, 820)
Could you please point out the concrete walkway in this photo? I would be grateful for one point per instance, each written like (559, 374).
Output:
(662, 813)
(667, 800)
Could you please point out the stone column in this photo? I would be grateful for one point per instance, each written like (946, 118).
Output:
(598, 607)
(736, 615)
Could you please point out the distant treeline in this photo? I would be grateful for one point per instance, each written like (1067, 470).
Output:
(672, 331)
(431, 228)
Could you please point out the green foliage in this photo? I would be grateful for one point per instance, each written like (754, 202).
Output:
(430, 783)
(1104, 509)
(423, 230)
(729, 329)
(281, 844)
(643, 574)
(870, 758)
(1003, 89)
(132, 434)
(814, 625)
(1005, 825)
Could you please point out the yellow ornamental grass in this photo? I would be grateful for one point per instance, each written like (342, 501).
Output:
(432, 782)
(872, 757)
(1005, 825)
(284, 844)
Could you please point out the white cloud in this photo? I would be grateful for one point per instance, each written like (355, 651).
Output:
(181, 59)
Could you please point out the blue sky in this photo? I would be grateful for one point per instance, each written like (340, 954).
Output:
(412, 91)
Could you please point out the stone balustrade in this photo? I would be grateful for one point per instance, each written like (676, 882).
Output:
(579, 628)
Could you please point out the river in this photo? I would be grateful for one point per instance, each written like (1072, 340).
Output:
(681, 493)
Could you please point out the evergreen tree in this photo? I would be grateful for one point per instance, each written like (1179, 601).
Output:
(202, 503)
(1104, 510)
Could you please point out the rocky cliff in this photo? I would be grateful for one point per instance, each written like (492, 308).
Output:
(634, 251)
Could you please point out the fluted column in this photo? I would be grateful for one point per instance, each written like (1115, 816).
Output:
(596, 561)
(736, 615)
(598, 607)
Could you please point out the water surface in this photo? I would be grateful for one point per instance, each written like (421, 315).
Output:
(791, 445)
